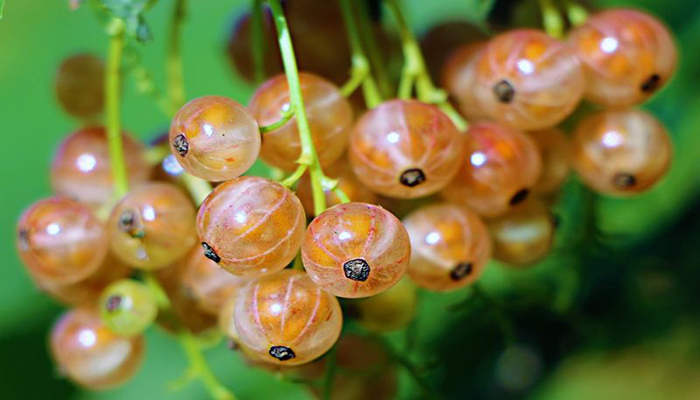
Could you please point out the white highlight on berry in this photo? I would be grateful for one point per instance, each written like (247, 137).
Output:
(344, 235)
(526, 66)
(276, 308)
(53, 229)
(149, 213)
(432, 238)
(171, 166)
(86, 162)
(609, 45)
(478, 159)
(612, 139)
(393, 137)
(87, 337)
(208, 130)
(240, 217)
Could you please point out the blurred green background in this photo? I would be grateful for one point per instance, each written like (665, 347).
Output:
(613, 313)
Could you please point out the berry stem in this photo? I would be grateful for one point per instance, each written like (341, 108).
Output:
(176, 80)
(112, 101)
(309, 157)
(415, 71)
(257, 44)
(361, 72)
(373, 53)
(329, 375)
(551, 19)
(286, 116)
(293, 178)
(575, 12)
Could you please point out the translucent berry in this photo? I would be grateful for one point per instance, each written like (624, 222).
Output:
(91, 354)
(627, 56)
(356, 250)
(347, 182)
(60, 241)
(621, 152)
(127, 307)
(214, 138)
(207, 282)
(80, 85)
(88, 290)
(251, 226)
(286, 319)
(554, 149)
(389, 310)
(527, 80)
(329, 115)
(524, 235)
(152, 226)
(81, 168)
(499, 170)
(458, 77)
(450, 246)
(405, 149)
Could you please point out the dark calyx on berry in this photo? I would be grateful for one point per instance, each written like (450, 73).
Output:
(232, 344)
(504, 91)
(282, 353)
(357, 270)
(210, 253)
(651, 84)
(519, 197)
(556, 220)
(23, 237)
(461, 270)
(180, 145)
(130, 223)
(412, 177)
(113, 303)
(624, 181)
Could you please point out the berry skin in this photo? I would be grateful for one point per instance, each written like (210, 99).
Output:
(347, 182)
(285, 319)
(458, 77)
(214, 138)
(60, 241)
(554, 149)
(80, 85)
(356, 250)
(91, 354)
(450, 247)
(524, 235)
(528, 80)
(127, 307)
(405, 149)
(626, 55)
(152, 226)
(390, 310)
(500, 168)
(81, 168)
(251, 226)
(328, 112)
(621, 152)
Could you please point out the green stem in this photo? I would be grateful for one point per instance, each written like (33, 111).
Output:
(112, 92)
(361, 73)
(308, 156)
(257, 44)
(293, 178)
(341, 195)
(415, 71)
(374, 54)
(551, 19)
(329, 375)
(286, 116)
(576, 13)
(176, 79)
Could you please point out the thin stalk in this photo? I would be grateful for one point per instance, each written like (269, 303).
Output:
(329, 375)
(361, 73)
(551, 19)
(308, 157)
(176, 80)
(257, 44)
(415, 71)
(374, 54)
(293, 178)
(286, 116)
(575, 12)
(341, 195)
(112, 93)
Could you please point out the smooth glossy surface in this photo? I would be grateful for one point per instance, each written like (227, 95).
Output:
(214, 138)
(127, 307)
(527, 80)
(80, 85)
(621, 152)
(152, 226)
(405, 149)
(285, 319)
(458, 78)
(81, 168)
(347, 182)
(251, 226)
(208, 283)
(627, 56)
(90, 354)
(499, 169)
(328, 112)
(356, 250)
(450, 246)
(60, 241)
(554, 151)
(390, 310)
(523, 236)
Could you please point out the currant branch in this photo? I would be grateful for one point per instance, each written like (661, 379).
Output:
(112, 104)
(551, 19)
